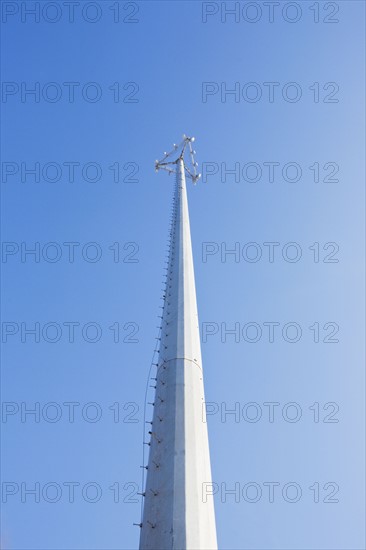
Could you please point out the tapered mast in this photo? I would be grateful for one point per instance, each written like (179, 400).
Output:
(175, 515)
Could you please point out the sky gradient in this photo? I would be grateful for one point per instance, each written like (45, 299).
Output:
(278, 98)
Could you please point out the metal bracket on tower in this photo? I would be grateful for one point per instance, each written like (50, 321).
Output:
(170, 159)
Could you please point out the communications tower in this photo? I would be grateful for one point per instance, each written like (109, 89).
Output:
(175, 515)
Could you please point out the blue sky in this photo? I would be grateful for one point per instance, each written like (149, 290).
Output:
(169, 54)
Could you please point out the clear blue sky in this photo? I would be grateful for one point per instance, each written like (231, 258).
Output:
(169, 53)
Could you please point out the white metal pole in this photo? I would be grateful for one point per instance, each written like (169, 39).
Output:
(177, 514)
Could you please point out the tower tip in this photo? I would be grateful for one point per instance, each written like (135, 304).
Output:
(170, 159)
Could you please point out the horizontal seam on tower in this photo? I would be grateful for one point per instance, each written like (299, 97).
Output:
(184, 358)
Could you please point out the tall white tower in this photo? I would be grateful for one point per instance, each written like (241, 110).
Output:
(175, 515)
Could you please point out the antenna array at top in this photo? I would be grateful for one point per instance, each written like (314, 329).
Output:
(180, 151)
